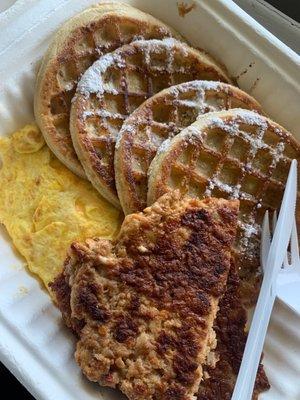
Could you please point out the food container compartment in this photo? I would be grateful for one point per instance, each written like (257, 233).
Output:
(34, 344)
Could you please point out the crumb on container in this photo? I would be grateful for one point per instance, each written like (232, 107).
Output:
(185, 8)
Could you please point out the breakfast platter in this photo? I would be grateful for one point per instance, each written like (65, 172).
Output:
(182, 117)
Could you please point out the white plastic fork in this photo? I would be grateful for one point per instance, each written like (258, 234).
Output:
(288, 281)
(275, 258)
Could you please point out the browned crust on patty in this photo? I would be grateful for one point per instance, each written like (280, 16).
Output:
(231, 339)
(167, 172)
(148, 300)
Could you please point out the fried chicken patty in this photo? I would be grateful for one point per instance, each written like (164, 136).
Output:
(231, 337)
(144, 305)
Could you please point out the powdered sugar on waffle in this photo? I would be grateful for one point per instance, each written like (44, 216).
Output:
(234, 191)
(198, 85)
(244, 116)
(231, 128)
(155, 45)
(256, 143)
(250, 230)
(126, 128)
(232, 125)
(103, 114)
(164, 146)
(91, 81)
(198, 100)
(248, 118)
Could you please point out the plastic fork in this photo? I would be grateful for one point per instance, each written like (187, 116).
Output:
(275, 258)
(288, 280)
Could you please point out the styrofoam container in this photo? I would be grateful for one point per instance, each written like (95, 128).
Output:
(34, 344)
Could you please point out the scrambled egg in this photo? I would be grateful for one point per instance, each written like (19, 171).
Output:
(44, 206)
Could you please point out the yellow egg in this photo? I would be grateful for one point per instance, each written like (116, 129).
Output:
(44, 206)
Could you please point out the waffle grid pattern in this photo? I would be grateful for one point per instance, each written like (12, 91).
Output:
(134, 80)
(79, 43)
(111, 35)
(241, 161)
(137, 71)
(144, 131)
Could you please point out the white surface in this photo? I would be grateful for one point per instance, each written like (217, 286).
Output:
(275, 21)
(33, 342)
(5, 4)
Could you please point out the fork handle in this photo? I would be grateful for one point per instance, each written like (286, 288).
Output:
(254, 345)
(258, 347)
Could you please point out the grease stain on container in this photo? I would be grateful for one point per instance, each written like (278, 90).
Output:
(254, 85)
(185, 8)
(21, 292)
(245, 70)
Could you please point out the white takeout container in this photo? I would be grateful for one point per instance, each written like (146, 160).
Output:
(34, 344)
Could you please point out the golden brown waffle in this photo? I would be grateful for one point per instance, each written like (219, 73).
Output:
(82, 40)
(230, 154)
(115, 85)
(161, 117)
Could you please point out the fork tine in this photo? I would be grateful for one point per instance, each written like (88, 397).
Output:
(294, 244)
(274, 222)
(286, 261)
(265, 240)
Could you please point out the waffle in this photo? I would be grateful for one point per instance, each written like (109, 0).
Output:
(230, 154)
(115, 86)
(147, 301)
(82, 40)
(161, 117)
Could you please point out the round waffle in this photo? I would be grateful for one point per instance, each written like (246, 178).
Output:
(82, 40)
(161, 117)
(230, 154)
(115, 85)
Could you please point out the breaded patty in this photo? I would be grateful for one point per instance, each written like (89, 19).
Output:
(144, 305)
(231, 337)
